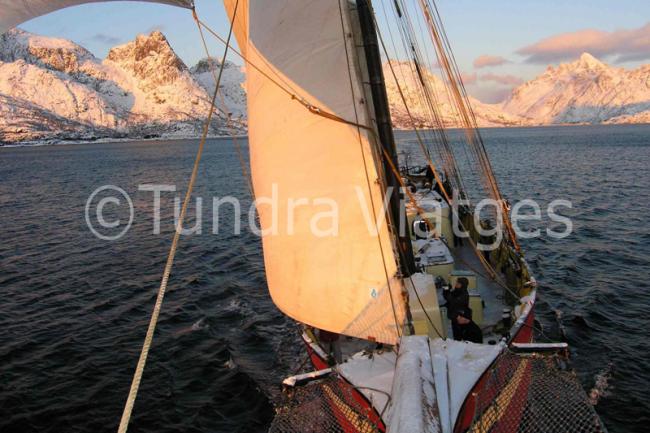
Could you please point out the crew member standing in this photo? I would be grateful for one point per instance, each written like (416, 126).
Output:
(457, 301)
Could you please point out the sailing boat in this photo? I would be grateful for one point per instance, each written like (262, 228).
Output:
(319, 126)
(370, 294)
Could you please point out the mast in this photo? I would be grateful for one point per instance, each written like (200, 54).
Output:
(385, 133)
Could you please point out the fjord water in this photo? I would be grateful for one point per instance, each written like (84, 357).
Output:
(74, 308)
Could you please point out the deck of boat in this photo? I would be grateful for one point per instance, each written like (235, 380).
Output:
(490, 291)
(491, 294)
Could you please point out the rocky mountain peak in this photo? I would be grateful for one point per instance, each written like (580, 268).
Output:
(51, 88)
(206, 65)
(584, 91)
(211, 64)
(150, 58)
(408, 87)
(231, 84)
(587, 62)
(52, 53)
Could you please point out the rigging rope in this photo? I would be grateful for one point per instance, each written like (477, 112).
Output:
(229, 117)
(420, 211)
(415, 129)
(423, 97)
(142, 361)
(290, 92)
(479, 151)
(464, 108)
(427, 95)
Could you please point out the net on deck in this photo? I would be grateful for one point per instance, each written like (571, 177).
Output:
(533, 393)
(327, 405)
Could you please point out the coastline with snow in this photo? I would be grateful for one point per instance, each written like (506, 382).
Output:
(71, 141)
(53, 91)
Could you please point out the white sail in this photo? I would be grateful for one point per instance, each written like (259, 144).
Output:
(344, 283)
(14, 12)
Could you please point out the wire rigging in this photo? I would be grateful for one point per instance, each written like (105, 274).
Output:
(464, 108)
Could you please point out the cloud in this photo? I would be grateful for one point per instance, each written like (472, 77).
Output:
(468, 78)
(506, 80)
(626, 45)
(105, 39)
(492, 95)
(485, 61)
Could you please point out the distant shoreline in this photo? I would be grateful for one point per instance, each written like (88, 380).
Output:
(553, 125)
(63, 142)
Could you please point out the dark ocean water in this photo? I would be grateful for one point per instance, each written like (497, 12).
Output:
(74, 308)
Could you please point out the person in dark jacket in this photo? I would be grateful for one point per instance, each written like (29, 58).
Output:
(467, 329)
(457, 298)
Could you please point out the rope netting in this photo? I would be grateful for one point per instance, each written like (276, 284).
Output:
(325, 406)
(533, 393)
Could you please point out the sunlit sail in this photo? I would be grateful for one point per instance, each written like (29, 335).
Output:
(310, 138)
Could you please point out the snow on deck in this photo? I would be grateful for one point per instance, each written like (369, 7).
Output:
(413, 404)
(372, 375)
(432, 251)
(427, 382)
(458, 365)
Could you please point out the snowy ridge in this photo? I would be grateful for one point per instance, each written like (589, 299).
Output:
(486, 114)
(52, 89)
(584, 91)
(231, 85)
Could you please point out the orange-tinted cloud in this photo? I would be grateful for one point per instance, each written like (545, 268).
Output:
(468, 78)
(492, 95)
(626, 45)
(506, 80)
(485, 61)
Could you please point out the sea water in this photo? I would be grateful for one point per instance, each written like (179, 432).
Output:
(74, 308)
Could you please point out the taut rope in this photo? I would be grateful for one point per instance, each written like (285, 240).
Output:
(142, 361)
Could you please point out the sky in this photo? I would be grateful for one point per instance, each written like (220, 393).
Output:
(498, 44)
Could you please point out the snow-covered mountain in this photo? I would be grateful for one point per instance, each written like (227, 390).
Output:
(486, 114)
(55, 89)
(584, 91)
(232, 79)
